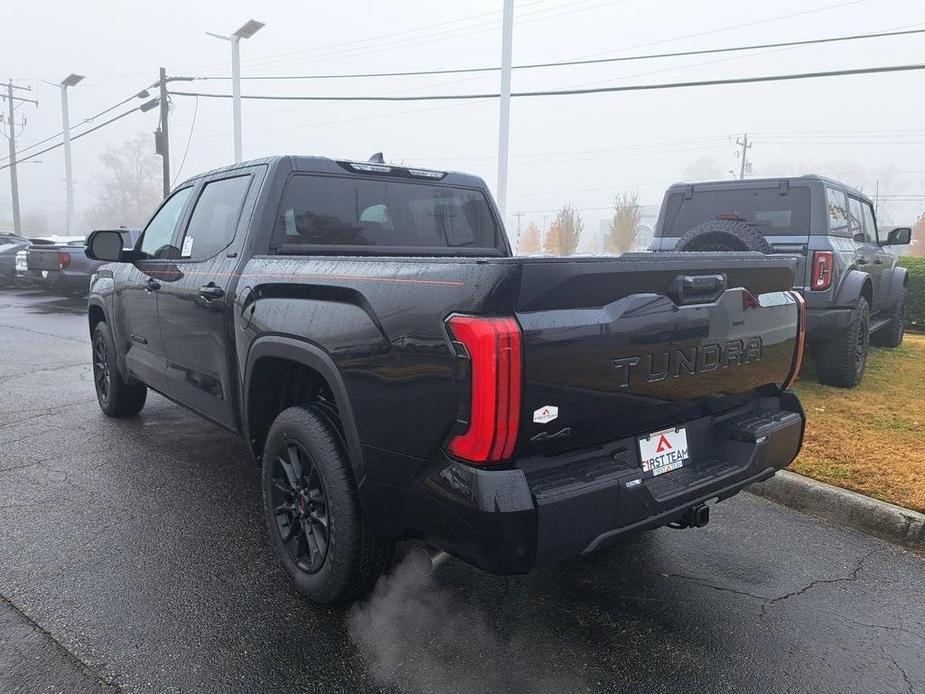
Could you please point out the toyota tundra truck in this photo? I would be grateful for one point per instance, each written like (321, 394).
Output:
(398, 374)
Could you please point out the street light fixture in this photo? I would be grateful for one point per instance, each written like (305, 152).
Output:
(71, 80)
(251, 27)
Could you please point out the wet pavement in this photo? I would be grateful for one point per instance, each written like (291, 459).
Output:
(133, 558)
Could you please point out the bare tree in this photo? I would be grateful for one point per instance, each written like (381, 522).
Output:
(564, 232)
(529, 241)
(129, 190)
(621, 236)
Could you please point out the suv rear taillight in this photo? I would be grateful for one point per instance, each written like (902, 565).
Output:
(822, 271)
(801, 341)
(493, 349)
(64, 259)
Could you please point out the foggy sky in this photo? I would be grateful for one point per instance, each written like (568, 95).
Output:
(581, 149)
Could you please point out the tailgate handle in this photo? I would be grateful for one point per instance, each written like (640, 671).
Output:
(697, 289)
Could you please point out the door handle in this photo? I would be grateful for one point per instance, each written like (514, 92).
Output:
(878, 261)
(211, 292)
(862, 261)
(152, 285)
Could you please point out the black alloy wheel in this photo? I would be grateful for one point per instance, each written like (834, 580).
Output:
(102, 373)
(860, 352)
(300, 506)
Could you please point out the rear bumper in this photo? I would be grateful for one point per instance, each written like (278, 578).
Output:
(548, 509)
(59, 280)
(824, 323)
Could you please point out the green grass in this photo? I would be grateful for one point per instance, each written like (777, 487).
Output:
(870, 439)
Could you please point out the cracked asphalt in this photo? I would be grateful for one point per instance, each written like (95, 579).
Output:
(132, 558)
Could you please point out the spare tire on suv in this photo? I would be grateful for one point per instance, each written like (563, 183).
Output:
(723, 235)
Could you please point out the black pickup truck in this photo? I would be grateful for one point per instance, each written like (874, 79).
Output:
(398, 374)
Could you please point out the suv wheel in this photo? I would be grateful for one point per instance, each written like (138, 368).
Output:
(841, 360)
(313, 511)
(117, 396)
(891, 335)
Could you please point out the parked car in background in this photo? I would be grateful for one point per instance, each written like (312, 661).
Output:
(846, 268)
(10, 245)
(59, 264)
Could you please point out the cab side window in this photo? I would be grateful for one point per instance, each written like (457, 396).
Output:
(156, 238)
(214, 220)
(856, 221)
(870, 224)
(837, 207)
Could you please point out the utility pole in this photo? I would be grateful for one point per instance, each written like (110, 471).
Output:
(745, 145)
(11, 136)
(504, 129)
(162, 136)
(518, 215)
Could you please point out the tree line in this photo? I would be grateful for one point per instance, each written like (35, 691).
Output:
(564, 232)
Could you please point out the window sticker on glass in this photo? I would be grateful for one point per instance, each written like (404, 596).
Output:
(187, 247)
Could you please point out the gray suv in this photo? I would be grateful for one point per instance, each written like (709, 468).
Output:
(846, 268)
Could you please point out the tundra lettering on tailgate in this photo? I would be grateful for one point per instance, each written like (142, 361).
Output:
(689, 360)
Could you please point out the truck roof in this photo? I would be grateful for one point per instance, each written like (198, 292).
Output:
(772, 180)
(316, 164)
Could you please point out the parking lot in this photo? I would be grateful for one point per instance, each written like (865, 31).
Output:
(133, 558)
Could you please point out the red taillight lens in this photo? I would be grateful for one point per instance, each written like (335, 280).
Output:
(64, 259)
(801, 341)
(494, 347)
(822, 271)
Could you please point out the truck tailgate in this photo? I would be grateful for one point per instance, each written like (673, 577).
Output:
(630, 345)
(43, 258)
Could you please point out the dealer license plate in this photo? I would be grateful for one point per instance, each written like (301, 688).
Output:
(663, 451)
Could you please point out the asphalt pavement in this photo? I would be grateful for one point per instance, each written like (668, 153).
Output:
(133, 558)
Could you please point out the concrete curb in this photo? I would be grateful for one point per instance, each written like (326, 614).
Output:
(856, 511)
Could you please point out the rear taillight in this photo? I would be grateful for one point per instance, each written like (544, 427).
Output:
(821, 277)
(64, 259)
(493, 347)
(801, 341)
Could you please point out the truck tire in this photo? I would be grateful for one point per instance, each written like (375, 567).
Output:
(723, 235)
(841, 360)
(313, 511)
(117, 396)
(891, 335)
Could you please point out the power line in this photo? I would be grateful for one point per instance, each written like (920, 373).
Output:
(138, 95)
(144, 107)
(570, 63)
(575, 92)
(188, 141)
(449, 34)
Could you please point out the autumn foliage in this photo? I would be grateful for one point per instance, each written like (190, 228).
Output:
(621, 236)
(564, 233)
(529, 241)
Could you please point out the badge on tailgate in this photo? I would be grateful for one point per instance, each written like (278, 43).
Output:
(663, 451)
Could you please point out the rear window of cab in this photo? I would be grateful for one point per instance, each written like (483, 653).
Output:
(336, 211)
(765, 209)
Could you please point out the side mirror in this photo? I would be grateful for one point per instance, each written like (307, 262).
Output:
(104, 245)
(900, 236)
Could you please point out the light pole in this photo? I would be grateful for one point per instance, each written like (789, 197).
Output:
(69, 81)
(251, 27)
(504, 117)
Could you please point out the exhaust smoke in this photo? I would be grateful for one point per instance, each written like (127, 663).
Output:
(418, 636)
